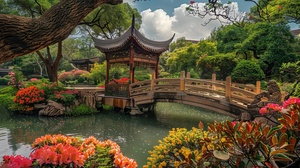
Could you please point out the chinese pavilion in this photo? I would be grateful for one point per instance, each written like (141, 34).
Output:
(132, 49)
(85, 64)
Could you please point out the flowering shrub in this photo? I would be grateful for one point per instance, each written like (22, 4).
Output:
(16, 79)
(235, 144)
(67, 151)
(71, 75)
(181, 148)
(16, 162)
(27, 97)
(66, 97)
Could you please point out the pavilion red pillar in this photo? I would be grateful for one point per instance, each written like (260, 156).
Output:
(107, 72)
(156, 67)
(131, 64)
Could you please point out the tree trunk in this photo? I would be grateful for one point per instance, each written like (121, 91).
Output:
(52, 66)
(52, 73)
(20, 35)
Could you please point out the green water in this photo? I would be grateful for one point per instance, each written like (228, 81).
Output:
(136, 135)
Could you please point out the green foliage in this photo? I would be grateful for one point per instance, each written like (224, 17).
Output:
(290, 71)
(221, 64)
(247, 71)
(113, 20)
(101, 158)
(64, 98)
(4, 81)
(82, 109)
(185, 58)
(7, 95)
(98, 73)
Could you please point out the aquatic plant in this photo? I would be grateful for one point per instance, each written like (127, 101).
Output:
(82, 109)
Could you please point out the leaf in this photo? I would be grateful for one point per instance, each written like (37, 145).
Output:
(295, 118)
(200, 125)
(248, 127)
(280, 151)
(282, 157)
(206, 164)
(221, 155)
(272, 131)
(293, 141)
(211, 127)
(242, 164)
(274, 140)
(265, 130)
(266, 148)
(282, 140)
(288, 119)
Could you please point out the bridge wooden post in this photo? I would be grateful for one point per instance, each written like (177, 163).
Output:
(153, 77)
(228, 89)
(213, 79)
(188, 75)
(182, 76)
(257, 91)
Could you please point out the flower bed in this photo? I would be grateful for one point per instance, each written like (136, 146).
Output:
(67, 151)
(235, 144)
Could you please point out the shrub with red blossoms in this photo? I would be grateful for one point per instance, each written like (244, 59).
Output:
(16, 162)
(27, 97)
(67, 151)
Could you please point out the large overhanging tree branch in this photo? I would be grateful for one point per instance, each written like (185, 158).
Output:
(21, 35)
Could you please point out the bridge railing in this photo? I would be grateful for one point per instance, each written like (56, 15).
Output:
(240, 94)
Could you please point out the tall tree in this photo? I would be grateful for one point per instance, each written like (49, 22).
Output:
(22, 35)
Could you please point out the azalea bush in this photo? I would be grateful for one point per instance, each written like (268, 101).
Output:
(66, 97)
(26, 98)
(67, 151)
(235, 144)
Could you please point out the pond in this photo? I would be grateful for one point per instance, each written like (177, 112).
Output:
(136, 135)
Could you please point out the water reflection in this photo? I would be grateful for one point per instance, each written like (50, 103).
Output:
(136, 135)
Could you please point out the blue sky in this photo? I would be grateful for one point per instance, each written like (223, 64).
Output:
(162, 18)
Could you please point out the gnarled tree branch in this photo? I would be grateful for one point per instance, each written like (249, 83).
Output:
(21, 35)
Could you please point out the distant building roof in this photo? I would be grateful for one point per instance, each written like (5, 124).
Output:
(295, 32)
(85, 61)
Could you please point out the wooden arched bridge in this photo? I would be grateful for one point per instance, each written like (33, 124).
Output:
(223, 97)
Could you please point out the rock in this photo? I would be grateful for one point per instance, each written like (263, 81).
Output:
(53, 109)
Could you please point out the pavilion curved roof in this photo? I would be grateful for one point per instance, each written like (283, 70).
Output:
(132, 33)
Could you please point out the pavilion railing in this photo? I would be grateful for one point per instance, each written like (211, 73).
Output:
(119, 90)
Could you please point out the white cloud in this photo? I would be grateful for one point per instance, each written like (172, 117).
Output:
(158, 25)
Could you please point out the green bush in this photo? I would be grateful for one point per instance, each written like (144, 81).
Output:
(81, 79)
(101, 158)
(7, 96)
(82, 109)
(4, 81)
(247, 71)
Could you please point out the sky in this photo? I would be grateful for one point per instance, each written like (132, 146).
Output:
(162, 18)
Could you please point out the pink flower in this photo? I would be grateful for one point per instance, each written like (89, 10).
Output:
(263, 111)
(291, 102)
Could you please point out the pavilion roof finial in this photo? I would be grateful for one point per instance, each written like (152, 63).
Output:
(132, 24)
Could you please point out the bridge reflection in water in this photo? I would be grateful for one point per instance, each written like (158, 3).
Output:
(224, 97)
